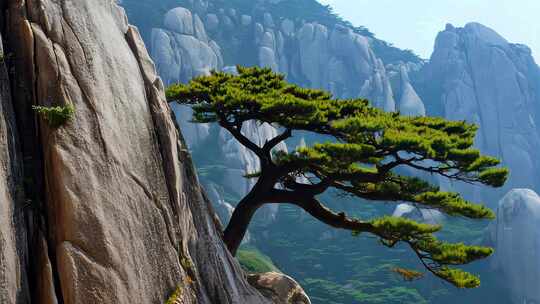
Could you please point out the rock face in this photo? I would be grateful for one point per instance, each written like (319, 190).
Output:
(410, 103)
(124, 219)
(516, 237)
(13, 231)
(182, 50)
(334, 59)
(476, 75)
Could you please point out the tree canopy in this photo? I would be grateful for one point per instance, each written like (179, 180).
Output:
(365, 147)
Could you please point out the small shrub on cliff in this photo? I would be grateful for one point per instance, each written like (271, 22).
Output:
(362, 158)
(55, 116)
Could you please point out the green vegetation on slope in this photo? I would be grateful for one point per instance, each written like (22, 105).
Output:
(252, 260)
(335, 268)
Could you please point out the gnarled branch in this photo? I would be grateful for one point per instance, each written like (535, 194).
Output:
(316, 209)
(269, 145)
(236, 132)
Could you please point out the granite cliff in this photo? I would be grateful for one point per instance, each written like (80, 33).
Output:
(476, 75)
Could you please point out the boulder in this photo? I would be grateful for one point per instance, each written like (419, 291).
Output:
(279, 287)
(200, 6)
(228, 23)
(232, 13)
(267, 58)
(199, 30)
(422, 215)
(259, 32)
(410, 104)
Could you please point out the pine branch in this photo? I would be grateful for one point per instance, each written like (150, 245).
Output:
(269, 145)
(237, 134)
(316, 209)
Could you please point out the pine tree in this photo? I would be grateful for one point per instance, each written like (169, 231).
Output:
(365, 147)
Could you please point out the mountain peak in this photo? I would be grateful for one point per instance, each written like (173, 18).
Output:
(485, 33)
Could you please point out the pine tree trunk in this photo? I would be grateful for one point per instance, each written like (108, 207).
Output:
(239, 223)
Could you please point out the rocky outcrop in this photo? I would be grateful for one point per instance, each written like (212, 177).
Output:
(334, 59)
(182, 50)
(409, 103)
(476, 75)
(516, 235)
(13, 207)
(279, 287)
(428, 216)
(124, 219)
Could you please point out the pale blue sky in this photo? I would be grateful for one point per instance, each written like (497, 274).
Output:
(414, 24)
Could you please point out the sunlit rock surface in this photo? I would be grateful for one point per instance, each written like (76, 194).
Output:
(475, 75)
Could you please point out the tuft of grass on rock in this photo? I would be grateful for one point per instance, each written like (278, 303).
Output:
(55, 116)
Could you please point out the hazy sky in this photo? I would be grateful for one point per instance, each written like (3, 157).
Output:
(414, 24)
